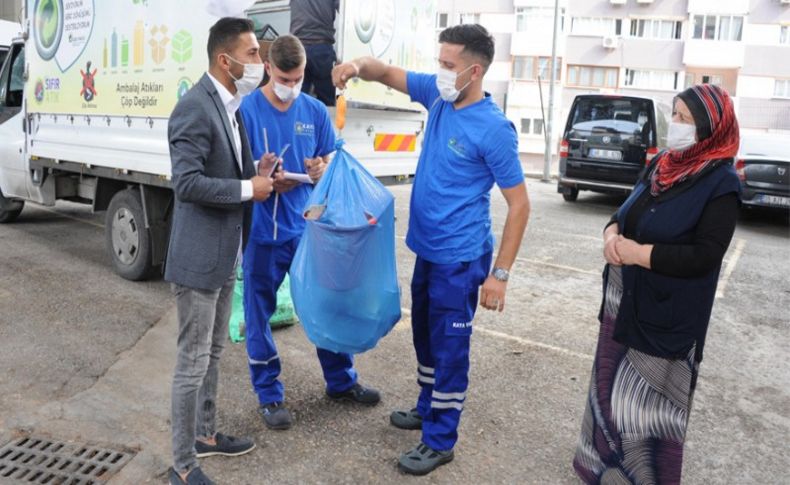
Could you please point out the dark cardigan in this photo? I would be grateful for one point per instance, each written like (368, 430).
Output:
(665, 311)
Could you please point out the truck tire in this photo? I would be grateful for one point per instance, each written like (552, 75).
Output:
(570, 194)
(128, 241)
(10, 209)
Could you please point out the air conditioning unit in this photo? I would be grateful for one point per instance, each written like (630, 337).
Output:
(617, 2)
(610, 42)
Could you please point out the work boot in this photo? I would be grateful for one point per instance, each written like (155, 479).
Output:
(406, 419)
(276, 415)
(422, 460)
(359, 394)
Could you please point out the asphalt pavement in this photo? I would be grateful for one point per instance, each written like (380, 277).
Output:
(87, 357)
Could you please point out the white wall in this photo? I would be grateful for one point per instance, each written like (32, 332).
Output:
(733, 7)
(498, 23)
(761, 34)
(755, 87)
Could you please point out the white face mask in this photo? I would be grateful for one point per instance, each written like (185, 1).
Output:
(681, 136)
(445, 83)
(249, 81)
(285, 93)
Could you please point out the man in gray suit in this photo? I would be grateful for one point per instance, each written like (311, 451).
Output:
(214, 177)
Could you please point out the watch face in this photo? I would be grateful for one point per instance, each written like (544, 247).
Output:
(500, 274)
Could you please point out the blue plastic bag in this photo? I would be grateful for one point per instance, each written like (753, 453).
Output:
(344, 279)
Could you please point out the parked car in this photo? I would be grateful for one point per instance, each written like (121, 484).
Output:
(763, 164)
(607, 141)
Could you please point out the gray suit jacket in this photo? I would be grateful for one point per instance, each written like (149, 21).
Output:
(209, 217)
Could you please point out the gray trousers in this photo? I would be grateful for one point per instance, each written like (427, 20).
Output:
(202, 331)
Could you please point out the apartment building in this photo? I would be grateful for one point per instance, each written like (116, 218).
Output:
(642, 47)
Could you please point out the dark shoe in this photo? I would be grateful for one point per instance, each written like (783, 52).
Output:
(194, 477)
(276, 416)
(358, 394)
(406, 419)
(422, 460)
(226, 446)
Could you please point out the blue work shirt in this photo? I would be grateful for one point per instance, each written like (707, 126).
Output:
(464, 153)
(307, 128)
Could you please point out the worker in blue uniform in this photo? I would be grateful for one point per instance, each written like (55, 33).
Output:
(469, 145)
(280, 121)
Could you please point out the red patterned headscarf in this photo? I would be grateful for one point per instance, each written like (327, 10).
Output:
(718, 137)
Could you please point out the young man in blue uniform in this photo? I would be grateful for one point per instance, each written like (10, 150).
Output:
(469, 145)
(277, 115)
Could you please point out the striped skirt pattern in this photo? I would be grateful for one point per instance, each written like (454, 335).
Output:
(637, 409)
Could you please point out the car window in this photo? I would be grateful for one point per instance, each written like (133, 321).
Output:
(628, 119)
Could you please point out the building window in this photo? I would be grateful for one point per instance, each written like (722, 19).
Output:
(469, 18)
(525, 67)
(656, 29)
(784, 35)
(782, 88)
(711, 79)
(598, 26)
(530, 19)
(537, 127)
(718, 27)
(591, 76)
(442, 20)
(645, 79)
(525, 125)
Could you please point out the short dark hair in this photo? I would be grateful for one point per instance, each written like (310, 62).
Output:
(287, 53)
(224, 34)
(475, 39)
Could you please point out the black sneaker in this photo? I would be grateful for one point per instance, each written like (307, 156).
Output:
(406, 419)
(194, 477)
(276, 416)
(359, 394)
(226, 446)
(422, 460)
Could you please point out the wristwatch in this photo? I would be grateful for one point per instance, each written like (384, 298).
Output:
(500, 274)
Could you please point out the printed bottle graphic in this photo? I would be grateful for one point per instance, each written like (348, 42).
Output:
(114, 49)
(139, 43)
(104, 55)
(124, 51)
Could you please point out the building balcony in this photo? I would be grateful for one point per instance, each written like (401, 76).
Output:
(536, 43)
(713, 53)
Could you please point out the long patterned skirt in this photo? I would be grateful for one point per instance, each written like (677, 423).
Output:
(637, 409)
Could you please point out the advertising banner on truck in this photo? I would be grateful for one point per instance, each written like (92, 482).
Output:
(397, 32)
(115, 57)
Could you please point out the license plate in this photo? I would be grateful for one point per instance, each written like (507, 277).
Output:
(774, 200)
(605, 154)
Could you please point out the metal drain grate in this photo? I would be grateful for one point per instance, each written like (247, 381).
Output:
(40, 460)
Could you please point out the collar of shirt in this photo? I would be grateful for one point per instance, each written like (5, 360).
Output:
(230, 101)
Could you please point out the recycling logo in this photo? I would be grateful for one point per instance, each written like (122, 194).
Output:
(49, 27)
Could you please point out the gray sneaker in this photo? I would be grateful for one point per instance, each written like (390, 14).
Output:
(422, 460)
(406, 419)
(276, 415)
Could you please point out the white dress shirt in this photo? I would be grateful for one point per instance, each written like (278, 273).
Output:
(232, 104)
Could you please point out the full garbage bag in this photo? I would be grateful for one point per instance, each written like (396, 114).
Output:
(344, 279)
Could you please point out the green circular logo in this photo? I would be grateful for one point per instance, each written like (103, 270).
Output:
(48, 22)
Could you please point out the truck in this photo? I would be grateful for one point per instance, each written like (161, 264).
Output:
(87, 88)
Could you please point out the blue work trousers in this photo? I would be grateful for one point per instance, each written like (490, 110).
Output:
(444, 299)
(265, 267)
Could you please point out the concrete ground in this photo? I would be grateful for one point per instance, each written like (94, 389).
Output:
(87, 356)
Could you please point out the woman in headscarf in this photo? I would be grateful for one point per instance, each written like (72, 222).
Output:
(663, 248)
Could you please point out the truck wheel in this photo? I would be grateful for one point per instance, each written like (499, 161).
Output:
(127, 238)
(10, 209)
(570, 194)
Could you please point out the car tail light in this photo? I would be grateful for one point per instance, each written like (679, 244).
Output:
(651, 152)
(564, 149)
(740, 165)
